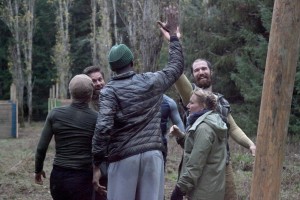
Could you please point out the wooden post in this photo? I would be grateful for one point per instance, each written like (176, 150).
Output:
(283, 53)
(49, 100)
(13, 93)
(57, 94)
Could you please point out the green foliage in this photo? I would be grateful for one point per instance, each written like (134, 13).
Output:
(80, 31)
(250, 64)
(294, 125)
(242, 161)
(213, 37)
(44, 72)
(249, 77)
(5, 76)
(233, 35)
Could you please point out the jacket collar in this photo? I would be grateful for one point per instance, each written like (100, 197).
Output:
(123, 75)
(199, 120)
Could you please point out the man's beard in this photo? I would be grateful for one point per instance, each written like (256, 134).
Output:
(203, 83)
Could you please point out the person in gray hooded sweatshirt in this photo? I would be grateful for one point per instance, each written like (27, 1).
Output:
(203, 172)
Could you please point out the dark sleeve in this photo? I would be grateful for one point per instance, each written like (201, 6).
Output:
(43, 144)
(174, 68)
(104, 125)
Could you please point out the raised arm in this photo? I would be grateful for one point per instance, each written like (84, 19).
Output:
(185, 89)
(175, 66)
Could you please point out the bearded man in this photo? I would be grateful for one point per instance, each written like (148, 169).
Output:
(97, 77)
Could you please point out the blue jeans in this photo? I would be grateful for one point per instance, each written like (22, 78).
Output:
(70, 184)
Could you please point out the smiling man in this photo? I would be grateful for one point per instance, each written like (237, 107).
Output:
(202, 73)
(97, 77)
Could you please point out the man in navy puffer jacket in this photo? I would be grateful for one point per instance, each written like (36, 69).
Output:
(130, 115)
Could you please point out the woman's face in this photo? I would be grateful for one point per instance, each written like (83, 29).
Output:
(193, 105)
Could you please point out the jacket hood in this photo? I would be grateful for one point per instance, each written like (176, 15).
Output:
(214, 120)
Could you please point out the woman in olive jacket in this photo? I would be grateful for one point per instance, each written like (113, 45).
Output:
(203, 171)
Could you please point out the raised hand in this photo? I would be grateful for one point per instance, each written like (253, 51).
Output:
(170, 27)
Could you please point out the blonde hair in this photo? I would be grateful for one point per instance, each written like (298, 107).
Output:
(207, 98)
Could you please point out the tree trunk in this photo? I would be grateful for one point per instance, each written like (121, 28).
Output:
(94, 32)
(101, 35)
(27, 49)
(18, 79)
(115, 19)
(283, 53)
(104, 40)
(62, 47)
(151, 43)
(10, 15)
(139, 19)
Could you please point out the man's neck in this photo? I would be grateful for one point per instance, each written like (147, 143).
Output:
(208, 88)
(95, 97)
(124, 70)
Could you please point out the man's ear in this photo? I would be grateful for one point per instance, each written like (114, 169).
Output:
(211, 73)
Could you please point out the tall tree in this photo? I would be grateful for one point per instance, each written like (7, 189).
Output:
(101, 34)
(136, 23)
(80, 30)
(44, 71)
(5, 75)
(250, 58)
(10, 14)
(28, 24)
(61, 56)
(282, 57)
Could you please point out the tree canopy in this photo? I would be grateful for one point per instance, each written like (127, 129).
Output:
(232, 34)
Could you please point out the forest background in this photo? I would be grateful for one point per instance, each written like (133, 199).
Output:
(47, 42)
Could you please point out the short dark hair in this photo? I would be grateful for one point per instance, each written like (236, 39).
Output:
(92, 69)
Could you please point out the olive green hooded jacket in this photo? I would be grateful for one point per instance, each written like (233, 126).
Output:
(203, 172)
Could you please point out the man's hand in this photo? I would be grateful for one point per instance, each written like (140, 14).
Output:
(170, 28)
(38, 177)
(96, 177)
(252, 149)
(166, 33)
(177, 194)
(174, 131)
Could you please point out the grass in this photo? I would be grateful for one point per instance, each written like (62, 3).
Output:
(17, 168)
(243, 165)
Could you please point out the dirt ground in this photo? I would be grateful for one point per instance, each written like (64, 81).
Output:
(17, 168)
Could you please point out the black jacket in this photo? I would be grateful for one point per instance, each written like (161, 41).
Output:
(129, 112)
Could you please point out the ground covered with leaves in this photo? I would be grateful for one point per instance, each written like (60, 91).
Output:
(17, 168)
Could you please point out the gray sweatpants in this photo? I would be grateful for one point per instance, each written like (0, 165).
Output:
(139, 177)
